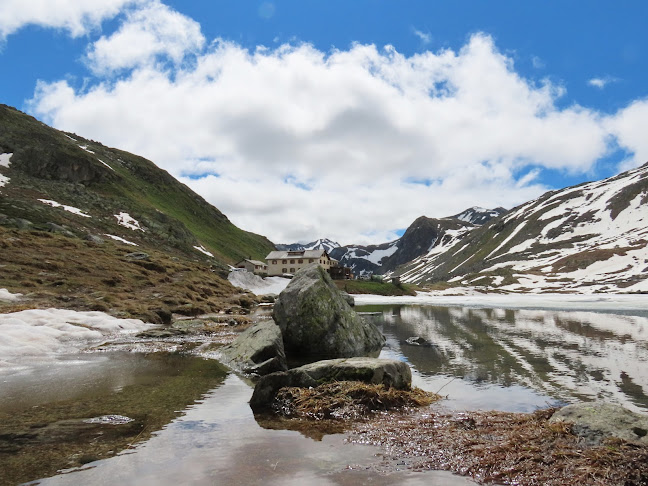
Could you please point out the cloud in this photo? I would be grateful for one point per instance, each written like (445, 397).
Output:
(628, 126)
(148, 34)
(538, 63)
(425, 37)
(78, 17)
(601, 83)
(308, 143)
(266, 10)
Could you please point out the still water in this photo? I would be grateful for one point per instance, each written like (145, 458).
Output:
(515, 360)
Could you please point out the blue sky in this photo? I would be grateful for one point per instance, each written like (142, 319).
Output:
(347, 120)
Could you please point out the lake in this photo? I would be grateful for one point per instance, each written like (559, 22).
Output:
(192, 423)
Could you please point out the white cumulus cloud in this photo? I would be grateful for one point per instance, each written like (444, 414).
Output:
(76, 16)
(147, 34)
(295, 143)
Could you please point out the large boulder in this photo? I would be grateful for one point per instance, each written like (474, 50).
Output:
(317, 321)
(595, 421)
(388, 372)
(257, 350)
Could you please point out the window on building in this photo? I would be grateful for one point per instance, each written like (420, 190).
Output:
(284, 261)
(300, 261)
(284, 270)
(310, 260)
(274, 262)
(292, 270)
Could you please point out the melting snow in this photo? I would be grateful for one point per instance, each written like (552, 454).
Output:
(106, 165)
(128, 221)
(48, 332)
(256, 284)
(7, 296)
(119, 238)
(70, 209)
(203, 250)
(377, 255)
(85, 147)
(5, 160)
(4, 180)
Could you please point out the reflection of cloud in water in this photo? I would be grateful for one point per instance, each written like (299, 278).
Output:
(563, 354)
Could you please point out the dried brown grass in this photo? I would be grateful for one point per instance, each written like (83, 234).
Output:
(506, 448)
(346, 400)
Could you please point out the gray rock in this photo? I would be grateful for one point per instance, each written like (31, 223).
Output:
(317, 322)
(390, 373)
(56, 228)
(596, 421)
(348, 297)
(137, 255)
(94, 239)
(258, 350)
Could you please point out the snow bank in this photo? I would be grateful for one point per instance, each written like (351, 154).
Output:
(70, 209)
(471, 298)
(48, 332)
(119, 238)
(201, 249)
(257, 285)
(4, 180)
(126, 220)
(5, 160)
(7, 296)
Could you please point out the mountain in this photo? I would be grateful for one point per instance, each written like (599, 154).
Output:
(589, 237)
(424, 236)
(73, 210)
(479, 216)
(320, 244)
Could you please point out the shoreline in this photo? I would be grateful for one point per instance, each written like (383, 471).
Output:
(549, 301)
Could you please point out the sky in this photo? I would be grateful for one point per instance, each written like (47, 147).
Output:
(303, 119)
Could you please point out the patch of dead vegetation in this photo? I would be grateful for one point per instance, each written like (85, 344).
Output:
(346, 400)
(53, 270)
(505, 448)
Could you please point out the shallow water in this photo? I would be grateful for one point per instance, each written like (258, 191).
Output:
(514, 360)
(520, 360)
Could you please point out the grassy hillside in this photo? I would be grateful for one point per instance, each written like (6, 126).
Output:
(103, 182)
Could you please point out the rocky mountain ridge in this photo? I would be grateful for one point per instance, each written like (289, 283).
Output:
(590, 237)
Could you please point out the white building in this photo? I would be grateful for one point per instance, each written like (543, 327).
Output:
(290, 262)
(254, 266)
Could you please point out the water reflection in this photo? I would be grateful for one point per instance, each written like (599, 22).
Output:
(553, 355)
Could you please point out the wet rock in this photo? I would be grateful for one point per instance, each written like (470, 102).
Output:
(390, 373)
(317, 322)
(257, 350)
(162, 333)
(596, 421)
(417, 341)
(349, 298)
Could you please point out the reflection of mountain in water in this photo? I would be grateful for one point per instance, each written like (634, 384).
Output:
(567, 355)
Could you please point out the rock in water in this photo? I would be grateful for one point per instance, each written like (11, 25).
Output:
(317, 321)
(259, 350)
(388, 372)
(595, 421)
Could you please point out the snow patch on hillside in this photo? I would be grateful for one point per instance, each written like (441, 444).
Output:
(120, 239)
(49, 332)
(377, 255)
(106, 165)
(126, 220)
(203, 250)
(7, 296)
(256, 284)
(4, 180)
(5, 160)
(70, 209)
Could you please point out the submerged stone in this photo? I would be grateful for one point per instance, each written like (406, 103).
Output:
(316, 319)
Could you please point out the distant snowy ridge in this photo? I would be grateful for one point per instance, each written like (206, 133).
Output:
(592, 237)
(319, 244)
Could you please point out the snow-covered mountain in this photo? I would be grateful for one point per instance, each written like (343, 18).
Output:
(589, 237)
(320, 244)
(479, 216)
(424, 235)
